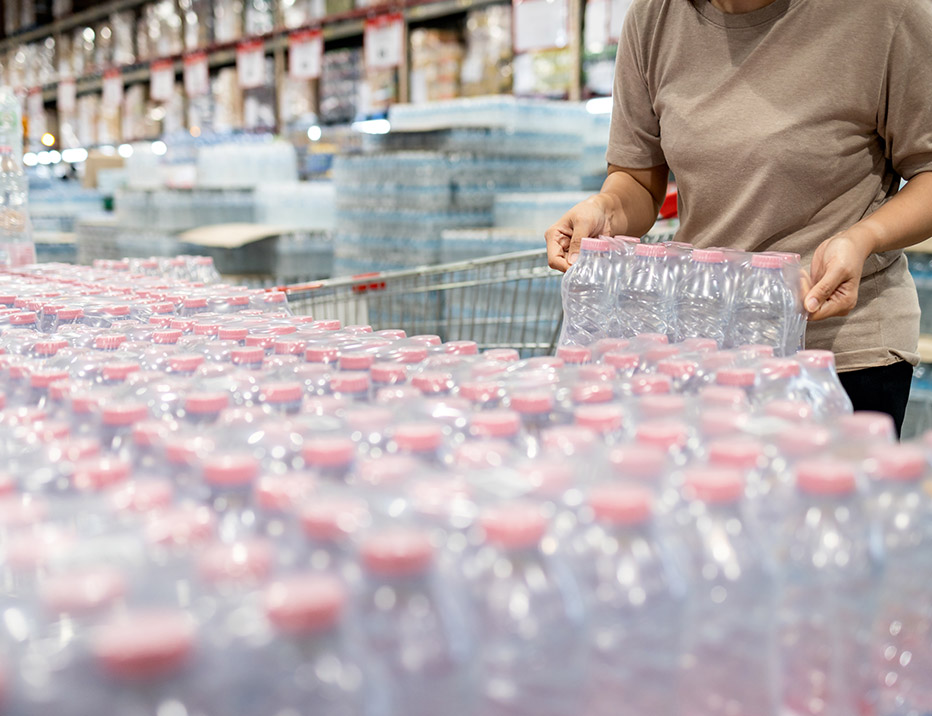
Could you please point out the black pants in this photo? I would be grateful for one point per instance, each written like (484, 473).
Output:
(884, 389)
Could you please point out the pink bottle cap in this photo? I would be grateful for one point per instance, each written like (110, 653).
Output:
(181, 526)
(145, 645)
(418, 437)
(620, 505)
(100, 473)
(185, 362)
(119, 370)
(653, 407)
(121, 309)
(44, 378)
(395, 334)
(802, 441)
(160, 321)
(721, 396)
(699, 345)
(245, 561)
(329, 452)
(427, 339)
(196, 302)
(332, 518)
(779, 368)
(283, 392)
(678, 368)
(736, 377)
(651, 384)
(461, 348)
(288, 346)
(141, 496)
(356, 361)
(182, 324)
(82, 591)
(766, 261)
(721, 422)
(49, 348)
(716, 485)
(592, 393)
(549, 479)
(664, 434)
(397, 553)
(574, 355)
(532, 403)
(321, 354)
(479, 391)
(516, 525)
(601, 419)
(569, 439)
(124, 414)
(206, 403)
(387, 470)
(789, 410)
(478, 455)
(247, 356)
(504, 355)
(231, 469)
(432, 382)
(150, 432)
(281, 493)
(708, 256)
(741, 453)
(350, 382)
(109, 341)
(638, 462)
(597, 373)
(412, 354)
(305, 603)
(167, 337)
(825, 477)
(233, 333)
(756, 351)
(495, 424)
(816, 359)
(622, 361)
(659, 353)
(897, 462)
(657, 251)
(591, 244)
(388, 373)
(867, 425)
(206, 329)
(26, 318)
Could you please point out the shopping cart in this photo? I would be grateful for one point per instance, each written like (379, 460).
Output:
(505, 301)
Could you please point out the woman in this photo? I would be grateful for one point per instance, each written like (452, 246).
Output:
(788, 125)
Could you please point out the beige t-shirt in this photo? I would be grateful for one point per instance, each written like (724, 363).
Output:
(784, 126)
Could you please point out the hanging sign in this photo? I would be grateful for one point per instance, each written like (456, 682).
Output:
(113, 88)
(540, 24)
(383, 41)
(196, 74)
(250, 64)
(161, 80)
(305, 54)
(67, 95)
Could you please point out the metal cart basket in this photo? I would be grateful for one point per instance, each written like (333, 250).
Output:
(506, 301)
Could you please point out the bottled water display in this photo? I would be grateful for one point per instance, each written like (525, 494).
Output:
(16, 243)
(210, 505)
(732, 298)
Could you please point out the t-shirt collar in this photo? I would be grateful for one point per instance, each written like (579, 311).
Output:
(766, 14)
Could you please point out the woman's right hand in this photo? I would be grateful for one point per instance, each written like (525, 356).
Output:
(587, 218)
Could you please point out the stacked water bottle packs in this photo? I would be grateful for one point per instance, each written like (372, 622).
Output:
(221, 508)
(620, 288)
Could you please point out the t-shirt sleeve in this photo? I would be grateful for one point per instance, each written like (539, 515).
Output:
(905, 112)
(634, 141)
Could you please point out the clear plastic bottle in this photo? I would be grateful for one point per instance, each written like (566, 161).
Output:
(729, 648)
(584, 287)
(765, 307)
(903, 628)
(645, 303)
(702, 304)
(830, 560)
(820, 382)
(415, 626)
(16, 243)
(634, 606)
(532, 657)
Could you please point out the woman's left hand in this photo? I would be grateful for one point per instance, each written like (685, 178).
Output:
(836, 271)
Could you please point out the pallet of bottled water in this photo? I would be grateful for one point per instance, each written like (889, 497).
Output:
(212, 506)
(620, 287)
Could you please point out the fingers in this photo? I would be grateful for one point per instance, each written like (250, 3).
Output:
(579, 233)
(557, 244)
(835, 294)
(824, 288)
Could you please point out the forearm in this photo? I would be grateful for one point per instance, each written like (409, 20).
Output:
(630, 200)
(903, 221)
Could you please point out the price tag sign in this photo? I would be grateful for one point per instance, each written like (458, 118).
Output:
(67, 95)
(540, 24)
(305, 54)
(618, 13)
(35, 111)
(196, 74)
(384, 41)
(113, 88)
(250, 64)
(161, 80)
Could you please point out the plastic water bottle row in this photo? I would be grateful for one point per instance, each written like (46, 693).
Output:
(253, 512)
(621, 288)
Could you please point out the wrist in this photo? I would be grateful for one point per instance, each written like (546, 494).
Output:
(867, 236)
(608, 205)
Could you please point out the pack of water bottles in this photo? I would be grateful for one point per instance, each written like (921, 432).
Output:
(620, 287)
(212, 506)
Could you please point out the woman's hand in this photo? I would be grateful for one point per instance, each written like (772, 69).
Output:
(836, 271)
(587, 218)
